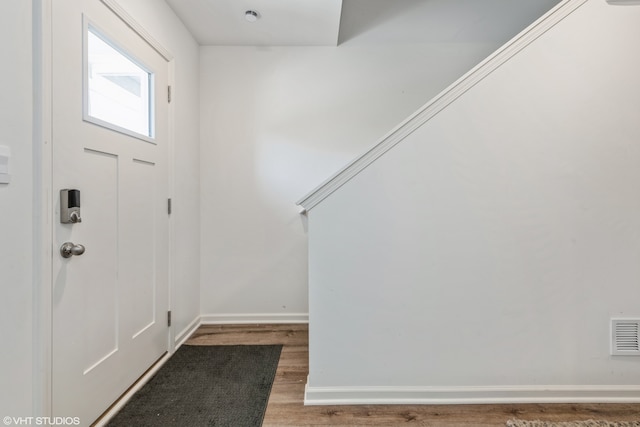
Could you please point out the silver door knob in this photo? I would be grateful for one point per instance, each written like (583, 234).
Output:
(68, 249)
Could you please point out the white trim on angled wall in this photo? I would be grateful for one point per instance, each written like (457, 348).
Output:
(440, 102)
(470, 395)
(259, 318)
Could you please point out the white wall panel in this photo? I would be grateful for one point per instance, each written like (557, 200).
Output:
(492, 246)
(16, 201)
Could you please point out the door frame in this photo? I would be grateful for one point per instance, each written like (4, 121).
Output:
(44, 200)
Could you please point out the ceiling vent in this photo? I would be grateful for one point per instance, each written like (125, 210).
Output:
(625, 337)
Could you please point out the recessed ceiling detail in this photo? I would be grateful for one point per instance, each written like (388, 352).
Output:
(360, 22)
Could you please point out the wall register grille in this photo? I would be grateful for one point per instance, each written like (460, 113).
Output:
(625, 337)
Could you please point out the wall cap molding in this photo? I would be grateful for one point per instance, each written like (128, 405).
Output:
(441, 101)
(472, 395)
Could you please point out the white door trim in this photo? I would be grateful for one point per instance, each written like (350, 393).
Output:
(137, 28)
(42, 209)
(43, 218)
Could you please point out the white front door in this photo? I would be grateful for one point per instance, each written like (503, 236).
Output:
(109, 303)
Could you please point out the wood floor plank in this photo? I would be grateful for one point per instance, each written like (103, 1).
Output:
(286, 406)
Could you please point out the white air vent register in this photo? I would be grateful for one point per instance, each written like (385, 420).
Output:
(625, 337)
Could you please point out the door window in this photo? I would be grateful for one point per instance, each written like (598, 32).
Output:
(118, 89)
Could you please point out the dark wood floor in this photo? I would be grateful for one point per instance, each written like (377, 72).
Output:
(286, 407)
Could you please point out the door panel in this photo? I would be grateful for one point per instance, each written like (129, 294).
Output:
(110, 303)
(100, 297)
(141, 232)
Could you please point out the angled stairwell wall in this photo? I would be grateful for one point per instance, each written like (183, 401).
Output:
(479, 252)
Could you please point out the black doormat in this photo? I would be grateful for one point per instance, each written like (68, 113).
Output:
(206, 386)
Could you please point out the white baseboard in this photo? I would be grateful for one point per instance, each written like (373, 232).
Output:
(258, 318)
(470, 395)
(186, 332)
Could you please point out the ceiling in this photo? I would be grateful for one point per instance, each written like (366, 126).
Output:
(281, 22)
(332, 22)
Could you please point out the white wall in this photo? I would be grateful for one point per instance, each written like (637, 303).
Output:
(16, 201)
(275, 123)
(160, 21)
(493, 245)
